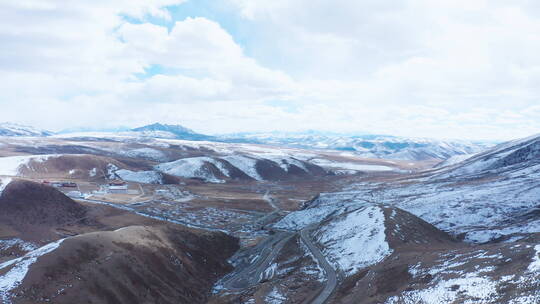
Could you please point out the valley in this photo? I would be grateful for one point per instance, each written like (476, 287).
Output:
(269, 152)
(143, 218)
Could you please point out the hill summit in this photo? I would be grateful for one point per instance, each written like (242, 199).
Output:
(180, 132)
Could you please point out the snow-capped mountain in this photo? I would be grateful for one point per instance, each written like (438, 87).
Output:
(159, 130)
(369, 146)
(13, 129)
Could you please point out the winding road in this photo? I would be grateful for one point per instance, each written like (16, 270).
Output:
(331, 275)
(249, 275)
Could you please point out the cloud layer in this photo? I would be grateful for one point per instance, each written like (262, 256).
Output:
(465, 69)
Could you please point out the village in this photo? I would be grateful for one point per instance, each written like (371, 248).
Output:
(87, 189)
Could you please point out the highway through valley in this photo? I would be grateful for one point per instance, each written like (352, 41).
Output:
(250, 273)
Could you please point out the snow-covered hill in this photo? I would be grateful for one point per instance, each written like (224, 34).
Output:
(12, 129)
(369, 146)
(146, 159)
(243, 167)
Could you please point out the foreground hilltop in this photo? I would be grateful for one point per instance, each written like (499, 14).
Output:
(159, 264)
(54, 249)
(34, 209)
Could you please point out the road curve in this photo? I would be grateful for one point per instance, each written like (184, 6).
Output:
(331, 276)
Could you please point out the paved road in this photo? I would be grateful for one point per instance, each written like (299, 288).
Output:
(331, 276)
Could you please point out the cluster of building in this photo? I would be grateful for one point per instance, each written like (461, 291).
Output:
(114, 186)
(117, 186)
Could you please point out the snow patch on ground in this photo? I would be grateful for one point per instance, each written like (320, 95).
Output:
(275, 297)
(12, 165)
(111, 171)
(535, 265)
(286, 162)
(472, 286)
(147, 153)
(22, 245)
(145, 177)
(355, 240)
(325, 163)
(300, 219)
(3, 183)
(92, 172)
(244, 164)
(18, 268)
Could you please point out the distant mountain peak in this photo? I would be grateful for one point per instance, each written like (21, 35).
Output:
(14, 129)
(178, 131)
(165, 127)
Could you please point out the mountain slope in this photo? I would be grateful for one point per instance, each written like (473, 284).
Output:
(487, 196)
(386, 255)
(136, 264)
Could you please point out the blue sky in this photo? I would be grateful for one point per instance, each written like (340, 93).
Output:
(460, 69)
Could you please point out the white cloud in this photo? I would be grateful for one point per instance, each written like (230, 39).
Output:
(464, 69)
(77, 64)
(461, 58)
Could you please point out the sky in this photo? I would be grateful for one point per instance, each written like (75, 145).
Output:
(462, 69)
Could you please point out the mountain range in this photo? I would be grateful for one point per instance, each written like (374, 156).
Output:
(367, 146)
